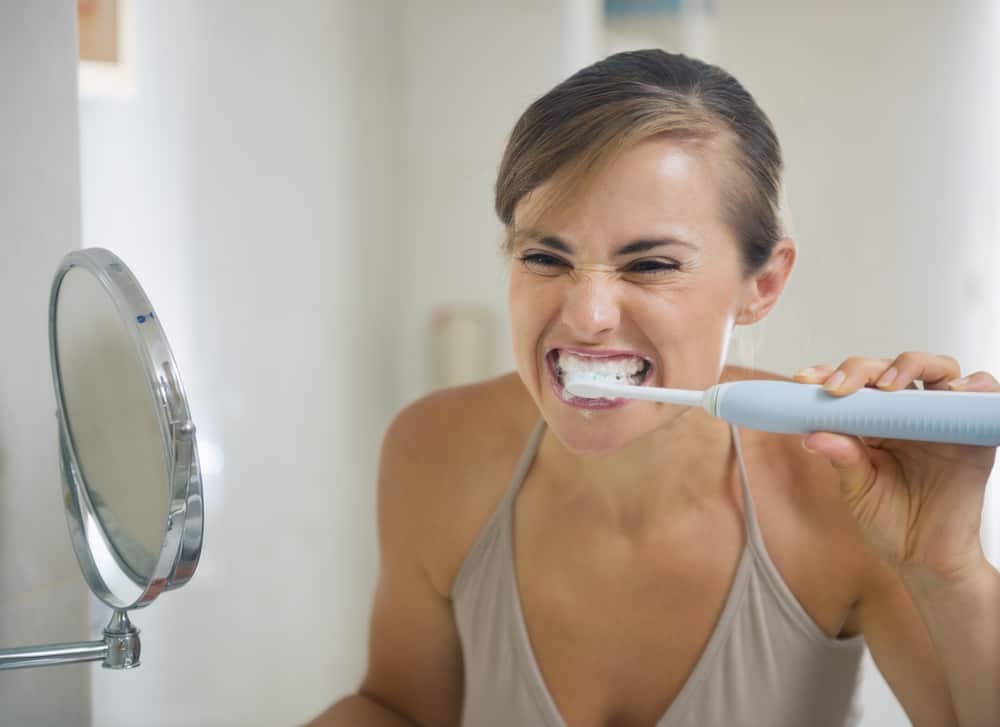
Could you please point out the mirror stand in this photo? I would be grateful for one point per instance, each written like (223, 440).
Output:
(131, 483)
(118, 650)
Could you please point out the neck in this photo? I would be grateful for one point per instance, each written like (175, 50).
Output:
(680, 466)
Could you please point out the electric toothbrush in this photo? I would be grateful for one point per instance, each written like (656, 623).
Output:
(955, 417)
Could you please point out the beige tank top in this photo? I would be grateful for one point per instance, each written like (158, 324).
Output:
(766, 663)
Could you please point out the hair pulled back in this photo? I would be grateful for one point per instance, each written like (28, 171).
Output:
(628, 97)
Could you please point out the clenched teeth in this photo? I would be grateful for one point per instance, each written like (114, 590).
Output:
(623, 369)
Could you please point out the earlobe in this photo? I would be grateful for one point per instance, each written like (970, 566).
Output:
(751, 314)
(748, 314)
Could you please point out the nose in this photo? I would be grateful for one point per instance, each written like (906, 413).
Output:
(591, 308)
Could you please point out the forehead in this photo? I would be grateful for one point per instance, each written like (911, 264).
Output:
(661, 186)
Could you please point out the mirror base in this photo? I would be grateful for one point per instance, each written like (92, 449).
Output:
(119, 650)
(122, 639)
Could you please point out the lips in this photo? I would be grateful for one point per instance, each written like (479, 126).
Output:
(624, 366)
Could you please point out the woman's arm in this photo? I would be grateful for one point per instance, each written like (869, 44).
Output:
(414, 655)
(359, 711)
(963, 617)
(919, 506)
(937, 644)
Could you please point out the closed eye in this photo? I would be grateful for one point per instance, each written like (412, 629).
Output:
(650, 269)
(544, 264)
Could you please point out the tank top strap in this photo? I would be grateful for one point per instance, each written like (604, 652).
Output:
(497, 526)
(749, 511)
(523, 465)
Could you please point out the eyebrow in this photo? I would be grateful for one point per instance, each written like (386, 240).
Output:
(636, 246)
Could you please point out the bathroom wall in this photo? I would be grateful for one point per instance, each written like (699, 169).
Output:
(888, 116)
(244, 181)
(468, 70)
(43, 598)
(297, 188)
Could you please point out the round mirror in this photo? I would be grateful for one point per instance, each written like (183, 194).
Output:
(131, 482)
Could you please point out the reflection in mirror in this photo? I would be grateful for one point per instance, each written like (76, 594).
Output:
(112, 420)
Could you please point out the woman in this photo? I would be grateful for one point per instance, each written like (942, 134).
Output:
(547, 560)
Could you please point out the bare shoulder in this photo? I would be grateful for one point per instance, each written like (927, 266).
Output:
(805, 479)
(798, 495)
(446, 460)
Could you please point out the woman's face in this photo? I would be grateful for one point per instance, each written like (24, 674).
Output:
(636, 277)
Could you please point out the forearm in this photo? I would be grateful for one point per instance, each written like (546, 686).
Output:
(359, 711)
(963, 617)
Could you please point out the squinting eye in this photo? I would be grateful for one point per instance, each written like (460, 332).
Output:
(550, 265)
(650, 269)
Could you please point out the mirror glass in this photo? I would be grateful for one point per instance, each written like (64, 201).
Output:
(112, 421)
(130, 468)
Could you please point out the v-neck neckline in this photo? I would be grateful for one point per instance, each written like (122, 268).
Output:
(720, 632)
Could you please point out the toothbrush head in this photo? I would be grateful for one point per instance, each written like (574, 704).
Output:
(587, 386)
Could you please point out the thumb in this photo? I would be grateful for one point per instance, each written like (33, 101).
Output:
(850, 457)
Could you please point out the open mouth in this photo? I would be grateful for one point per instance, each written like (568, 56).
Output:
(619, 368)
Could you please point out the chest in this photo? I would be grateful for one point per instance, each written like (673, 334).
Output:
(617, 624)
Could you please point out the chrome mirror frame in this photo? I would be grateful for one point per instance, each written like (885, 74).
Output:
(105, 571)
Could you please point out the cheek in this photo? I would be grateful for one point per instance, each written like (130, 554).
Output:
(710, 326)
(693, 321)
(527, 316)
(516, 306)
(529, 300)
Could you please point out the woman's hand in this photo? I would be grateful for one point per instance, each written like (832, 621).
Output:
(919, 504)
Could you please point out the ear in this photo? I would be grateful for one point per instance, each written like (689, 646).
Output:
(764, 287)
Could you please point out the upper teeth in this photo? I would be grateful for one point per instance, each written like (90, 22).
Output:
(619, 368)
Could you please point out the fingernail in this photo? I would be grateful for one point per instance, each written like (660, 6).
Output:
(805, 373)
(958, 383)
(806, 448)
(888, 377)
(835, 381)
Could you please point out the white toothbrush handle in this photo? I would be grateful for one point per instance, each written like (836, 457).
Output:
(928, 416)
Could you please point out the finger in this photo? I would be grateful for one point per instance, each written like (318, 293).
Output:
(979, 381)
(814, 374)
(849, 457)
(933, 370)
(854, 373)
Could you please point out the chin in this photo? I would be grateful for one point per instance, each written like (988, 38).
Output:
(594, 433)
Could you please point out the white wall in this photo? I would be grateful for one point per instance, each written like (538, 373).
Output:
(245, 183)
(42, 594)
(887, 116)
(282, 181)
(884, 113)
(468, 71)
